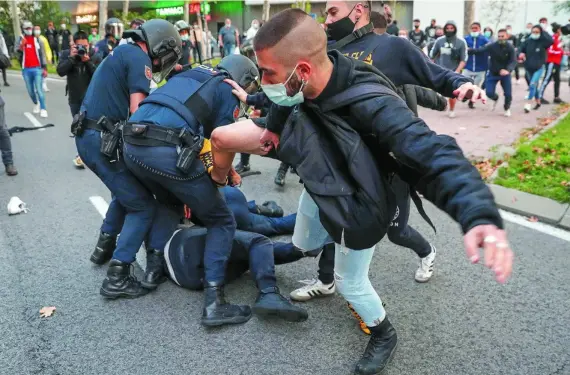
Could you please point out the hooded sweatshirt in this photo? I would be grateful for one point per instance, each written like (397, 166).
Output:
(535, 51)
(449, 51)
(476, 63)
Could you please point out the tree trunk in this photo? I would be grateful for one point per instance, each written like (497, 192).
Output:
(15, 21)
(126, 10)
(265, 11)
(187, 11)
(102, 16)
(469, 15)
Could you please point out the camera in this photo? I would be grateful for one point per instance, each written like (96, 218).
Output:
(81, 50)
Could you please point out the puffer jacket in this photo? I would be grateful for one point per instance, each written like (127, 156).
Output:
(420, 96)
(434, 164)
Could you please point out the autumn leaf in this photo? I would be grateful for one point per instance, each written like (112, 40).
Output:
(538, 150)
(521, 176)
(565, 183)
(46, 312)
(532, 219)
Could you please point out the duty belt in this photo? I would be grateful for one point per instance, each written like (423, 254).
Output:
(92, 124)
(151, 135)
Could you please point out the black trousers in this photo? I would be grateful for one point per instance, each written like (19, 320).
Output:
(400, 233)
(552, 72)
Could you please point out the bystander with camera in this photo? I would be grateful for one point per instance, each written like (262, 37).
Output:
(76, 65)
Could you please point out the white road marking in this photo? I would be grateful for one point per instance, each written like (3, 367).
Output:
(540, 227)
(102, 206)
(34, 120)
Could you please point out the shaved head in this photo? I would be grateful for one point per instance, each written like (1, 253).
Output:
(292, 47)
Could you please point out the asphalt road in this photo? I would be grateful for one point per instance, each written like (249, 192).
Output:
(461, 322)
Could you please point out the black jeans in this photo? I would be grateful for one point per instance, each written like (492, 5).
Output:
(5, 142)
(244, 158)
(399, 233)
(552, 72)
(4, 76)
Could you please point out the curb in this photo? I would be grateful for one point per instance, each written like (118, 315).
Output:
(546, 210)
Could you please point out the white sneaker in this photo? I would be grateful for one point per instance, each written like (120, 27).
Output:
(451, 114)
(36, 109)
(314, 288)
(526, 108)
(45, 87)
(508, 113)
(425, 270)
(43, 113)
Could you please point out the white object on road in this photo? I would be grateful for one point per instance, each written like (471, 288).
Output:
(540, 227)
(16, 206)
(43, 113)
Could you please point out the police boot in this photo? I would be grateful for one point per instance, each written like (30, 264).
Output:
(270, 303)
(104, 250)
(379, 351)
(281, 173)
(154, 274)
(270, 209)
(218, 312)
(120, 283)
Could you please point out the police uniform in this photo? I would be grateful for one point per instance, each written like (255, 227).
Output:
(156, 166)
(102, 49)
(184, 256)
(126, 71)
(185, 59)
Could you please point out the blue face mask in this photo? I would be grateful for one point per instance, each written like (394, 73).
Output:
(277, 93)
(487, 34)
(475, 34)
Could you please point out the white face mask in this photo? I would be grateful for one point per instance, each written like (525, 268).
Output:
(37, 32)
(28, 32)
(63, 26)
(403, 36)
(16, 206)
(184, 37)
(255, 25)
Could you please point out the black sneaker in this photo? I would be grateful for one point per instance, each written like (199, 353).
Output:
(544, 101)
(379, 351)
(6, 84)
(240, 168)
(558, 101)
(471, 105)
(537, 106)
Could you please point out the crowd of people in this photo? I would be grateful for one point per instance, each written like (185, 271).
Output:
(337, 110)
(489, 58)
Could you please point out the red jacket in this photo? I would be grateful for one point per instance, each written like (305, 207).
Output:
(555, 51)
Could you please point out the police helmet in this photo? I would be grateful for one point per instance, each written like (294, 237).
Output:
(115, 27)
(181, 25)
(240, 69)
(163, 43)
(246, 49)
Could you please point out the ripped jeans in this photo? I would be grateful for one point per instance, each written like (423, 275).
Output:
(351, 266)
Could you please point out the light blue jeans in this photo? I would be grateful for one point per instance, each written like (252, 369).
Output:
(33, 78)
(534, 78)
(351, 266)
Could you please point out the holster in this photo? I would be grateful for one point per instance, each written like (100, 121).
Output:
(77, 127)
(110, 137)
(191, 147)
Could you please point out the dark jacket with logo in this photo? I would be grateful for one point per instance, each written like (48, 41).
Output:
(433, 164)
(535, 51)
(502, 56)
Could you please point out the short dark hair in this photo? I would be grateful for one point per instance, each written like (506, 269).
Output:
(543, 19)
(508, 26)
(378, 20)
(476, 23)
(278, 27)
(80, 35)
(502, 31)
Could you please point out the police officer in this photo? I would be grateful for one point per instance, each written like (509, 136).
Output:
(120, 83)
(184, 31)
(113, 32)
(162, 142)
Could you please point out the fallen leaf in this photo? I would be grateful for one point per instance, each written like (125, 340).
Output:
(521, 176)
(532, 219)
(46, 312)
(538, 150)
(565, 183)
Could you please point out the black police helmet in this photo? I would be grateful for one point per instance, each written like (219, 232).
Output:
(240, 69)
(115, 27)
(163, 43)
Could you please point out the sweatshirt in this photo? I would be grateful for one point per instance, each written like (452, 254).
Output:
(535, 51)
(479, 62)
(501, 56)
(555, 51)
(449, 51)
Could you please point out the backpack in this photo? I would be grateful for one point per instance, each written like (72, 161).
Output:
(350, 186)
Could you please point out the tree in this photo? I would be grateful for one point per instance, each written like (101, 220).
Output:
(468, 15)
(37, 12)
(265, 12)
(499, 12)
(127, 18)
(563, 6)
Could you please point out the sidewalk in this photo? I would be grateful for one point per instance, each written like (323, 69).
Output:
(478, 130)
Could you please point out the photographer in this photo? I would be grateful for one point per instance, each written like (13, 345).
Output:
(76, 65)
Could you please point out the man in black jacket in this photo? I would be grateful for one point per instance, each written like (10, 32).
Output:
(304, 75)
(405, 66)
(502, 62)
(76, 65)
